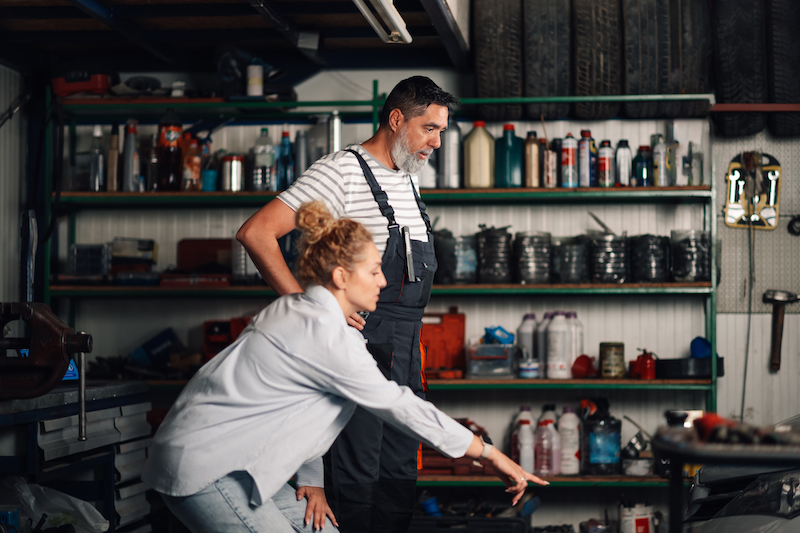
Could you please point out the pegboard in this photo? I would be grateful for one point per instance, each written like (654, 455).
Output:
(776, 252)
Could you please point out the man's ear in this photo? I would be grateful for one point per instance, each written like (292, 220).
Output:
(396, 119)
(339, 277)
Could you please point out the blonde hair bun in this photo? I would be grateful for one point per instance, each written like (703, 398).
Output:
(326, 243)
(314, 221)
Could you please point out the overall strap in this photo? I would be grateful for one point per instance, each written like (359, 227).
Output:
(422, 209)
(377, 192)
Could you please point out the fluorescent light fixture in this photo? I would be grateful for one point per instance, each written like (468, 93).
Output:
(391, 27)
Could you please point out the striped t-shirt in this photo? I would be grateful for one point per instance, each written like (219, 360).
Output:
(338, 180)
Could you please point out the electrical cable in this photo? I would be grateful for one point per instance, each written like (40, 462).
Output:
(750, 282)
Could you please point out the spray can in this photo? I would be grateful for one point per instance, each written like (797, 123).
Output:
(587, 160)
(555, 146)
(624, 160)
(605, 165)
(569, 162)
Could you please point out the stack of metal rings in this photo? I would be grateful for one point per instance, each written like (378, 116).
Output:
(690, 255)
(532, 255)
(649, 259)
(494, 255)
(609, 254)
(570, 259)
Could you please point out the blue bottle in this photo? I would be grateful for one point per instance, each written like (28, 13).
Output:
(285, 162)
(508, 159)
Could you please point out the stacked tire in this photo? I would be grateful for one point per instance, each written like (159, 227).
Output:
(542, 48)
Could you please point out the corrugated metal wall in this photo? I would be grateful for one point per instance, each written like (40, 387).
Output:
(11, 172)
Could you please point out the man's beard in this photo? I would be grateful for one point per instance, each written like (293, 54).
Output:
(403, 158)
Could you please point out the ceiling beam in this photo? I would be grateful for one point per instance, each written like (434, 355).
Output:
(448, 31)
(306, 42)
(105, 14)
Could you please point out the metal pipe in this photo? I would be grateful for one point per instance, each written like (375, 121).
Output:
(81, 395)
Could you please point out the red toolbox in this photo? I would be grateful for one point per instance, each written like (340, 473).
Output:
(443, 336)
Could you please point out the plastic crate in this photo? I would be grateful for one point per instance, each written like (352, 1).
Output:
(494, 361)
(443, 337)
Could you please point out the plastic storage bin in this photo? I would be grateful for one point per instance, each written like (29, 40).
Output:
(490, 361)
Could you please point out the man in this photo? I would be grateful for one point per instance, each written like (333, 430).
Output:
(370, 472)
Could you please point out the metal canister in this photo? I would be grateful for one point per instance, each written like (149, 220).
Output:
(605, 165)
(232, 173)
(550, 169)
(569, 161)
(587, 160)
(450, 157)
(612, 360)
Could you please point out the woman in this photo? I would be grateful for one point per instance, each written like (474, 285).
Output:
(271, 404)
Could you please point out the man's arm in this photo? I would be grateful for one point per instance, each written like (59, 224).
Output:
(260, 234)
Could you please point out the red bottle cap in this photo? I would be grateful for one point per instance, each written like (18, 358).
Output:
(479, 124)
(285, 134)
(586, 133)
(508, 127)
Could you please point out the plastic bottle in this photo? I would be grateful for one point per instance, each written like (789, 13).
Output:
(301, 153)
(569, 162)
(576, 336)
(569, 429)
(601, 442)
(548, 413)
(131, 170)
(556, 439)
(531, 157)
(559, 363)
(513, 439)
(543, 450)
(661, 176)
(97, 162)
(112, 181)
(642, 168)
(587, 160)
(152, 165)
(263, 178)
(478, 158)
(449, 157)
(540, 348)
(191, 168)
(525, 339)
(285, 162)
(169, 153)
(508, 159)
(606, 169)
(526, 446)
(624, 160)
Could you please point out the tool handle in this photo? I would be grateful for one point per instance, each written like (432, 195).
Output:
(777, 335)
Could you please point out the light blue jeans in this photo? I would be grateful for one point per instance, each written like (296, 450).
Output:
(224, 507)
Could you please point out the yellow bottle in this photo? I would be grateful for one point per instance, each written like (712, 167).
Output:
(479, 158)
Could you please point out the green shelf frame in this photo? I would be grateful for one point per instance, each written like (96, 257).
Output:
(584, 289)
(555, 482)
(695, 194)
(569, 384)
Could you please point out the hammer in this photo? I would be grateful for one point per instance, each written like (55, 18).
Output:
(778, 299)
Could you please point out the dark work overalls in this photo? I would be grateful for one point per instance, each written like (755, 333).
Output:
(371, 470)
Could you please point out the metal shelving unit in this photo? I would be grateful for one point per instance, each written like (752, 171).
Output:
(702, 196)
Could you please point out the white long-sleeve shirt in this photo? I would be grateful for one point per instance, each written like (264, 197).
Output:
(277, 398)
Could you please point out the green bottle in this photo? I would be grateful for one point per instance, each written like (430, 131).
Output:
(508, 159)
